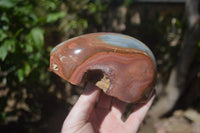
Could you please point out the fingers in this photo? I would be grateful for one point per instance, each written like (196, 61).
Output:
(136, 118)
(85, 104)
(81, 111)
(104, 102)
(109, 104)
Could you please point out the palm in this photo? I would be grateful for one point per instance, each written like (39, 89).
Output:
(105, 117)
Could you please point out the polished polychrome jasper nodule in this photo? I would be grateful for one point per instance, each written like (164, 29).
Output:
(120, 65)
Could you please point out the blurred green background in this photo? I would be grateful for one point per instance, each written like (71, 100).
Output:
(33, 99)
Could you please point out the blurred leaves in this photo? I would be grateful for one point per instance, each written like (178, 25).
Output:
(23, 57)
(23, 72)
(37, 37)
(7, 46)
(26, 34)
(3, 52)
(55, 16)
(7, 3)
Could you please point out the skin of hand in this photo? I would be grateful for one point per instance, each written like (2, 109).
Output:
(104, 116)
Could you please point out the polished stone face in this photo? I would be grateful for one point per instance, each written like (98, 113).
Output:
(126, 42)
(127, 62)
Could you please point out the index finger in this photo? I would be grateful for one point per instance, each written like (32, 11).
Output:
(85, 104)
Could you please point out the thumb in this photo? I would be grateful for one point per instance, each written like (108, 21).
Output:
(87, 100)
(84, 106)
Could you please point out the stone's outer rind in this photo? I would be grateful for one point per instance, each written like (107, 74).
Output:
(127, 42)
(128, 63)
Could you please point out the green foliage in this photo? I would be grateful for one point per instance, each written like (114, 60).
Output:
(22, 37)
(80, 14)
(7, 4)
(25, 29)
(52, 17)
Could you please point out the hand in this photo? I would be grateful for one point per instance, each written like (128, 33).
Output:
(105, 117)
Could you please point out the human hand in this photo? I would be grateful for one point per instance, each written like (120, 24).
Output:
(105, 117)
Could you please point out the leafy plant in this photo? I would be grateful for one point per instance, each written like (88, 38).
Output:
(25, 29)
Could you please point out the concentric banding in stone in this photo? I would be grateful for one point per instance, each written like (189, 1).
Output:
(127, 62)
